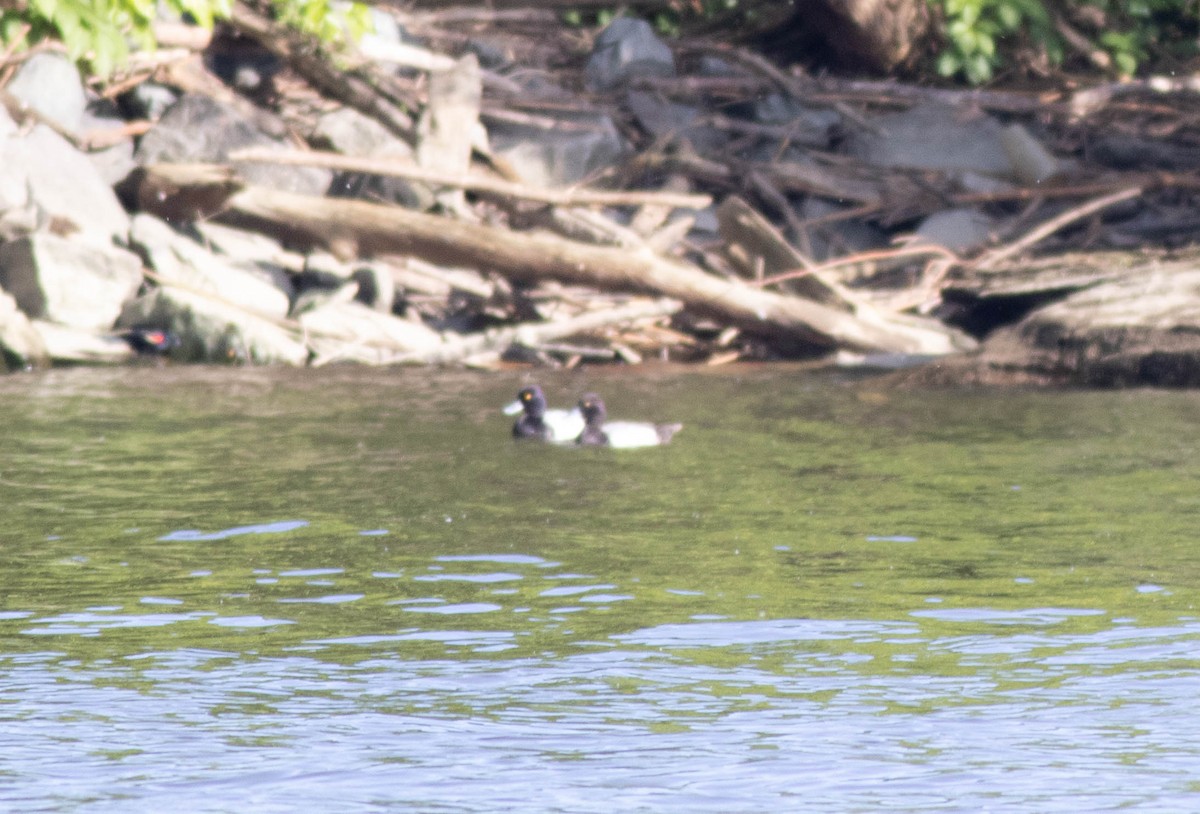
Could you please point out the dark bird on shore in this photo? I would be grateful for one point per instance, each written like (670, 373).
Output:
(556, 426)
(598, 431)
(150, 341)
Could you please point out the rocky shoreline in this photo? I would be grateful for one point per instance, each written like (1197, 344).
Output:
(517, 193)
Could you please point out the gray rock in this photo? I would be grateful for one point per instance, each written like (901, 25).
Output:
(1032, 163)
(351, 133)
(349, 331)
(775, 108)
(21, 346)
(323, 270)
(705, 224)
(75, 346)
(491, 55)
(182, 261)
(806, 126)
(935, 137)
(260, 255)
(561, 156)
(41, 171)
(69, 281)
(376, 288)
(114, 162)
(959, 230)
(627, 48)
(148, 100)
(252, 249)
(661, 118)
(211, 330)
(714, 66)
(839, 237)
(50, 84)
(199, 129)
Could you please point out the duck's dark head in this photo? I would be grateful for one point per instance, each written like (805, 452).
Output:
(592, 407)
(533, 401)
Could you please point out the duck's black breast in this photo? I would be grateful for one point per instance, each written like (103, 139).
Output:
(528, 426)
(592, 437)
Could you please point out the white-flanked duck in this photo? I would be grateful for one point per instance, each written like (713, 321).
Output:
(538, 422)
(599, 432)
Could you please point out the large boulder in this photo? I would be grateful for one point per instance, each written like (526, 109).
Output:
(179, 260)
(21, 345)
(222, 310)
(197, 129)
(559, 156)
(50, 83)
(349, 132)
(67, 281)
(40, 171)
(75, 346)
(935, 137)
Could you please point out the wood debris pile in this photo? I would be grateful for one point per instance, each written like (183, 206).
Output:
(726, 235)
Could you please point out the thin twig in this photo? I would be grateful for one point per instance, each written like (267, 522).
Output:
(920, 250)
(992, 258)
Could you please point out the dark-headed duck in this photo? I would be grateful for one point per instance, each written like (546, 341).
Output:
(598, 431)
(556, 426)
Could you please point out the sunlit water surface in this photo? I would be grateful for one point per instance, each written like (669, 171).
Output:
(349, 590)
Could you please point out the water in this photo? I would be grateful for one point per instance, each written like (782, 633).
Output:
(277, 590)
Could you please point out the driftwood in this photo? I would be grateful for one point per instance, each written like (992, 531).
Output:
(399, 168)
(480, 350)
(1119, 319)
(747, 234)
(486, 347)
(447, 126)
(358, 228)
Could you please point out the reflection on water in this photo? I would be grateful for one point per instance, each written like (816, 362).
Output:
(349, 590)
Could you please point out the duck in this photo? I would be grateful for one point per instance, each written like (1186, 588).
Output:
(599, 432)
(556, 426)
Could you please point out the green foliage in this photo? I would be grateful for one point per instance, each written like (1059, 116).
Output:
(327, 20)
(981, 35)
(974, 27)
(669, 23)
(101, 33)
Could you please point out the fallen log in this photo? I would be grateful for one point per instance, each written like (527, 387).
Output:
(400, 168)
(358, 228)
